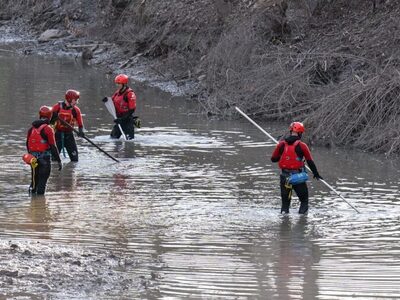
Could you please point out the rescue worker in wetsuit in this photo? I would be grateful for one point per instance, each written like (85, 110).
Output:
(66, 115)
(124, 100)
(41, 143)
(291, 153)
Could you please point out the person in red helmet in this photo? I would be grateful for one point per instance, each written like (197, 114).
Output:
(124, 100)
(66, 114)
(40, 143)
(290, 153)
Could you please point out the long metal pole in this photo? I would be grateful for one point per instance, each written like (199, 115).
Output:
(87, 139)
(276, 142)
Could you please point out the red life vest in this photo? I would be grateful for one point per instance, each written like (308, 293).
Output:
(121, 101)
(289, 159)
(36, 143)
(67, 115)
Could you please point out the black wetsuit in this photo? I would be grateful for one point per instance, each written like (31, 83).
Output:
(300, 189)
(41, 173)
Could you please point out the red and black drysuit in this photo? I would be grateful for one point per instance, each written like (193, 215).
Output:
(291, 153)
(40, 143)
(64, 134)
(124, 100)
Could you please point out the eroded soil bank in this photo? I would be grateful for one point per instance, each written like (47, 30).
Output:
(331, 64)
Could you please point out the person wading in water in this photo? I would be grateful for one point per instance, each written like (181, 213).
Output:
(70, 114)
(41, 146)
(290, 153)
(124, 100)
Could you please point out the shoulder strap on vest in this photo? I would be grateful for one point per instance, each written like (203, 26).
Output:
(298, 149)
(42, 133)
(282, 147)
(73, 111)
(126, 94)
(59, 107)
(284, 144)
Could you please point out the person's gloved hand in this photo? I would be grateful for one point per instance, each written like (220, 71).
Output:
(137, 122)
(81, 133)
(118, 121)
(105, 99)
(317, 176)
(59, 166)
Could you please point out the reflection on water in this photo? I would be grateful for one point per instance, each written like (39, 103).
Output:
(196, 201)
(39, 216)
(295, 273)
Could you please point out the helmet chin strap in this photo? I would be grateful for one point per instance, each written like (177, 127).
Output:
(295, 133)
(44, 118)
(68, 104)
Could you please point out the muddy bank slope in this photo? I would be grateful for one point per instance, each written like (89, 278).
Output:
(332, 64)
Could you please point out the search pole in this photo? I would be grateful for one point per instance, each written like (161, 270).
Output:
(87, 139)
(276, 142)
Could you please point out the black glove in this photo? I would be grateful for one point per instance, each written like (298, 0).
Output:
(137, 122)
(105, 99)
(118, 121)
(317, 176)
(81, 133)
(59, 166)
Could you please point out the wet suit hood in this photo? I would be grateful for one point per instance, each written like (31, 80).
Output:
(40, 122)
(291, 139)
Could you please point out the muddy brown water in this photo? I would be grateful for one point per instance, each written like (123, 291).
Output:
(191, 211)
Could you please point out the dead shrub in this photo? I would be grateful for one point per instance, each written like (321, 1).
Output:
(343, 86)
(363, 113)
(238, 69)
(332, 63)
(31, 7)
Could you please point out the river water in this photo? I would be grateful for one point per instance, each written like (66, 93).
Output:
(191, 210)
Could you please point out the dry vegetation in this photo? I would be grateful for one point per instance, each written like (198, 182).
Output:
(331, 64)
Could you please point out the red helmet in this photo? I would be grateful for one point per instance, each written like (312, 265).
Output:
(71, 95)
(296, 127)
(45, 112)
(121, 79)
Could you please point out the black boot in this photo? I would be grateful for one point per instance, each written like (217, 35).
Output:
(303, 208)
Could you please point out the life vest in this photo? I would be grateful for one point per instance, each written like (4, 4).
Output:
(121, 101)
(67, 115)
(36, 142)
(289, 159)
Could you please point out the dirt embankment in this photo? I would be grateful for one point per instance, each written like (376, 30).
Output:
(332, 64)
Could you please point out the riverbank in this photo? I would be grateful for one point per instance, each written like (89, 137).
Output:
(18, 39)
(38, 270)
(192, 210)
(333, 65)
